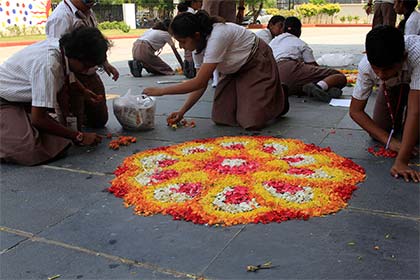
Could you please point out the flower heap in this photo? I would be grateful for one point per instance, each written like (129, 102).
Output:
(237, 180)
(351, 76)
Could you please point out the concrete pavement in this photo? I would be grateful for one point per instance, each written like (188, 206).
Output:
(58, 220)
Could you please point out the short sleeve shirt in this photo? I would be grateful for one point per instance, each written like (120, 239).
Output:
(265, 35)
(412, 25)
(229, 45)
(288, 46)
(65, 18)
(410, 72)
(34, 75)
(157, 38)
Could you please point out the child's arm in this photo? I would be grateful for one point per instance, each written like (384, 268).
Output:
(197, 83)
(409, 140)
(194, 96)
(42, 121)
(358, 114)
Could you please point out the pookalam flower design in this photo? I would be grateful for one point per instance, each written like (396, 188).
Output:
(237, 180)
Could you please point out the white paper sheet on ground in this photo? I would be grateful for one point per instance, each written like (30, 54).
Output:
(340, 102)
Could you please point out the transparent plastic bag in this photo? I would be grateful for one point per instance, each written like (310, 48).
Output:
(135, 112)
(336, 59)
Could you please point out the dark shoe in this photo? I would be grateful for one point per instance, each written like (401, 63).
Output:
(334, 92)
(312, 89)
(135, 67)
(189, 69)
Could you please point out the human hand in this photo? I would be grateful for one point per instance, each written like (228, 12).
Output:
(93, 97)
(174, 118)
(395, 145)
(153, 91)
(90, 139)
(111, 70)
(402, 169)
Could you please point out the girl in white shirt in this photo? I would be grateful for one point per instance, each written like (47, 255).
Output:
(410, 25)
(298, 68)
(250, 92)
(152, 41)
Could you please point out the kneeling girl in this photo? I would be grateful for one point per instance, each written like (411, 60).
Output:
(250, 92)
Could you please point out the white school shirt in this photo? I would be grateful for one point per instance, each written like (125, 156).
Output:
(65, 18)
(191, 10)
(33, 75)
(229, 45)
(265, 35)
(157, 38)
(410, 72)
(288, 46)
(412, 25)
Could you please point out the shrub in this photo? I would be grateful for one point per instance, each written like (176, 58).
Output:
(120, 25)
(278, 12)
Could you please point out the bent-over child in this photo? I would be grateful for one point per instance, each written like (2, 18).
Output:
(274, 28)
(393, 61)
(35, 82)
(147, 48)
(250, 92)
(298, 68)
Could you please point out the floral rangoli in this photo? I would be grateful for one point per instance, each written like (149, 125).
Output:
(237, 180)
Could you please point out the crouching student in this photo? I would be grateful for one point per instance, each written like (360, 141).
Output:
(298, 68)
(249, 93)
(393, 61)
(152, 41)
(274, 28)
(35, 82)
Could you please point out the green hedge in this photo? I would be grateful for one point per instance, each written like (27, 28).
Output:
(120, 25)
(278, 12)
(317, 11)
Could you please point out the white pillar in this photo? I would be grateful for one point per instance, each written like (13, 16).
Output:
(129, 14)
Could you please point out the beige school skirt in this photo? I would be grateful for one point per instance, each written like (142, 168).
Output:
(295, 74)
(21, 142)
(253, 95)
(143, 52)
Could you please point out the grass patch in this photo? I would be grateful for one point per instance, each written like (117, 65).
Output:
(108, 33)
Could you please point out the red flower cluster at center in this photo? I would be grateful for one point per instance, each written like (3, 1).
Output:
(220, 166)
(238, 195)
(282, 187)
(190, 189)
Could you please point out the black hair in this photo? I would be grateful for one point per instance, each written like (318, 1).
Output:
(182, 7)
(85, 44)
(275, 19)
(162, 25)
(385, 46)
(188, 2)
(410, 6)
(293, 26)
(187, 25)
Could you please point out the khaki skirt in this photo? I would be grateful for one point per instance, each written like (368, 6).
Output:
(253, 95)
(21, 142)
(295, 74)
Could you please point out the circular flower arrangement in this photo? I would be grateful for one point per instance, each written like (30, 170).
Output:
(237, 180)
